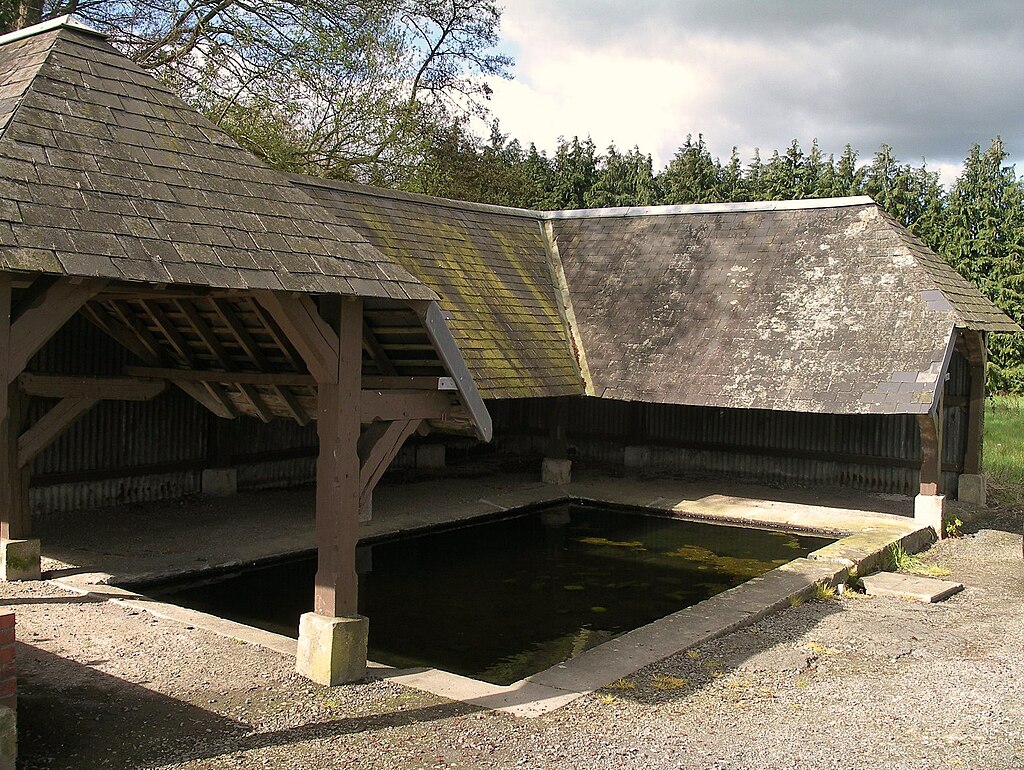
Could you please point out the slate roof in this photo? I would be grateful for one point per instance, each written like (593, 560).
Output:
(492, 270)
(813, 306)
(106, 173)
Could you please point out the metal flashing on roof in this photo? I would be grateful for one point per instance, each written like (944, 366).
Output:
(61, 22)
(711, 208)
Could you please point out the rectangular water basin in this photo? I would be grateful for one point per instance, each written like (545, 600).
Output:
(509, 597)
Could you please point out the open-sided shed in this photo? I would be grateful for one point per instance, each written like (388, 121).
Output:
(144, 255)
(124, 206)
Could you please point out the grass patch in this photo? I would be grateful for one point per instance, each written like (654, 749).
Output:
(901, 561)
(1004, 450)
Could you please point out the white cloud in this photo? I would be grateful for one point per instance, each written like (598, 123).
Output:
(928, 79)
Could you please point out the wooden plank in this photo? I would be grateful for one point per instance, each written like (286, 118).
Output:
(128, 339)
(88, 386)
(298, 318)
(337, 470)
(38, 323)
(384, 442)
(371, 382)
(437, 329)
(50, 426)
(388, 405)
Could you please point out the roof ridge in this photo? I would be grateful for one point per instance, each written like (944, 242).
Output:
(710, 208)
(67, 21)
(410, 197)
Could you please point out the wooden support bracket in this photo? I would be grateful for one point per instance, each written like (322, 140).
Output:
(50, 426)
(378, 446)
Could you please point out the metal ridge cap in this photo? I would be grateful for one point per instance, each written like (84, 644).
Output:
(61, 22)
(710, 208)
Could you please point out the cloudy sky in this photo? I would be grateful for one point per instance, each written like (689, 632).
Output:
(928, 77)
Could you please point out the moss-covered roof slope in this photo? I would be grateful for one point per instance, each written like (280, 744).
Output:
(492, 269)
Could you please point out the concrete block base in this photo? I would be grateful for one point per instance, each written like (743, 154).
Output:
(430, 455)
(8, 738)
(220, 482)
(637, 457)
(332, 651)
(971, 489)
(19, 559)
(557, 472)
(931, 510)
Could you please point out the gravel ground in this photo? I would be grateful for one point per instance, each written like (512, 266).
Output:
(851, 683)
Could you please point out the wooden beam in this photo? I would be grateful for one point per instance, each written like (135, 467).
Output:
(383, 441)
(371, 382)
(377, 353)
(212, 342)
(139, 341)
(280, 338)
(299, 319)
(930, 426)
(50, 426)
(266, 379)
(252, 349)
(39, 322)
(976, 356)
(89, 386)
(389, 405)
(15, 519)
(337, 468)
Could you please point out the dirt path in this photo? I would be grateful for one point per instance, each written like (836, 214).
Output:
(852, 683)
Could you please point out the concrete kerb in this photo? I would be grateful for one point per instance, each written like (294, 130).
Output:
(555, 687)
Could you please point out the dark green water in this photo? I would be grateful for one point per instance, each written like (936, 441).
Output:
(504, 599)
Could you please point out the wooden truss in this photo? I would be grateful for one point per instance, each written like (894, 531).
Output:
(370, 372)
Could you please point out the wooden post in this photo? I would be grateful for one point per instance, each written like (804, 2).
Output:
(337, 471)
(976, 355)
(15, 522)
(931, 451)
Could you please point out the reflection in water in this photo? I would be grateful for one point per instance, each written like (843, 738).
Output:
(507, 598)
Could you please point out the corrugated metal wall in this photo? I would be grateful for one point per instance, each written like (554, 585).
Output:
(123, 452)
(874, 452)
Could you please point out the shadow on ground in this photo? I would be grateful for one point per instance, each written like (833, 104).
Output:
(79, 717)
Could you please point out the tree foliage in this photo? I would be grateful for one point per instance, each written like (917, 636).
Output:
(341, 89)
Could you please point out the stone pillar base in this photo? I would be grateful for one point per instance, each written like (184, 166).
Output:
(220, 482)
(930, 510)
(971, 489)
(637, 457)
(19, 559)
(332, 651)
(430, 456)
(557, 472)
(8, 738)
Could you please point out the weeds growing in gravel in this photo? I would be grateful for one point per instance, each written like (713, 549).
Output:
(901, 561)
(823, 591)
(666, 682)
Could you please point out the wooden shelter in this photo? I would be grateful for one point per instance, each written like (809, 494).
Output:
(124, 206)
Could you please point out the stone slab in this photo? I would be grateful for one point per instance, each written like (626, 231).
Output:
(971, 489)
(923, 589)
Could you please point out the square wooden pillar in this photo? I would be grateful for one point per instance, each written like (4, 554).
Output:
(930, 503)
(332, 639)
(971, 485)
